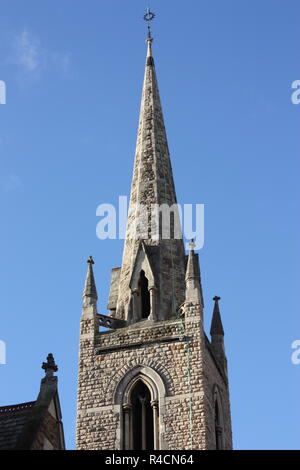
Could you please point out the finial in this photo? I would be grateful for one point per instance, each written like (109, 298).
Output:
(149, 16)
(49, 367)
(90, 260)
(216, 298)
(192, 245)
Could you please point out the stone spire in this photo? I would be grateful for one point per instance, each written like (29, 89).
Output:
(153, 186)
(89, 295)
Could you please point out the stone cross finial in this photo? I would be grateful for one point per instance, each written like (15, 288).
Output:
(216, 298)
(49, 367)
(90, 260)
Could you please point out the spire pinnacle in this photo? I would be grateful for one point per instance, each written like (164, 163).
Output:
(193, 288)
(192, 270)
(90, 292)
(49, 367)
(216, 323)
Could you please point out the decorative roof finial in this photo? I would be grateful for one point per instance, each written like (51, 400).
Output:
(149, 16)
(49, 367)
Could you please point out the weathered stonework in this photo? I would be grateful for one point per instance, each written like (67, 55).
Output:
(48, 436)
(158, 349)
(152, 183)
(153, 380)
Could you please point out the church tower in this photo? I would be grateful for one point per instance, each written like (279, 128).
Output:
(152, 379)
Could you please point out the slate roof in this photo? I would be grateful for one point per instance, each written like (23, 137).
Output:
(13, 420)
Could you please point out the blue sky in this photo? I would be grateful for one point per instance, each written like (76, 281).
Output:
(74, 74)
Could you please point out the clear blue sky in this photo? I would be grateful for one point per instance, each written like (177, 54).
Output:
(74, 74)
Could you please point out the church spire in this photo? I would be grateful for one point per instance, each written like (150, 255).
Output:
(153, 187)
(90, 295)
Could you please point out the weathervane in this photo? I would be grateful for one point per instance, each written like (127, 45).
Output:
(149, 16)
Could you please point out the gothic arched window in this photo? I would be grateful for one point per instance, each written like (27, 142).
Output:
(143, 288)
(140, 418)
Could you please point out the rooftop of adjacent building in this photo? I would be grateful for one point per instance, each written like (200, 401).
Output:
(20, 423)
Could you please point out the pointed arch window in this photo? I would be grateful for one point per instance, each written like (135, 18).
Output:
(143, 289)
(140, 419)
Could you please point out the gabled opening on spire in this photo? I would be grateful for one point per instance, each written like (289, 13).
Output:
(143, 290)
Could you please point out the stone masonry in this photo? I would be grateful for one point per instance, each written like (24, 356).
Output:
(154, 333)
(159, 349)
(152, 183)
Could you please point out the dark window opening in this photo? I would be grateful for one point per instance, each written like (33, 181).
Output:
(160, 221)
(145, 296)
(172, 228)
(142, 418)
(218, 428)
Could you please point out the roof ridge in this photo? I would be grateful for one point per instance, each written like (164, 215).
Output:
(17, 407)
